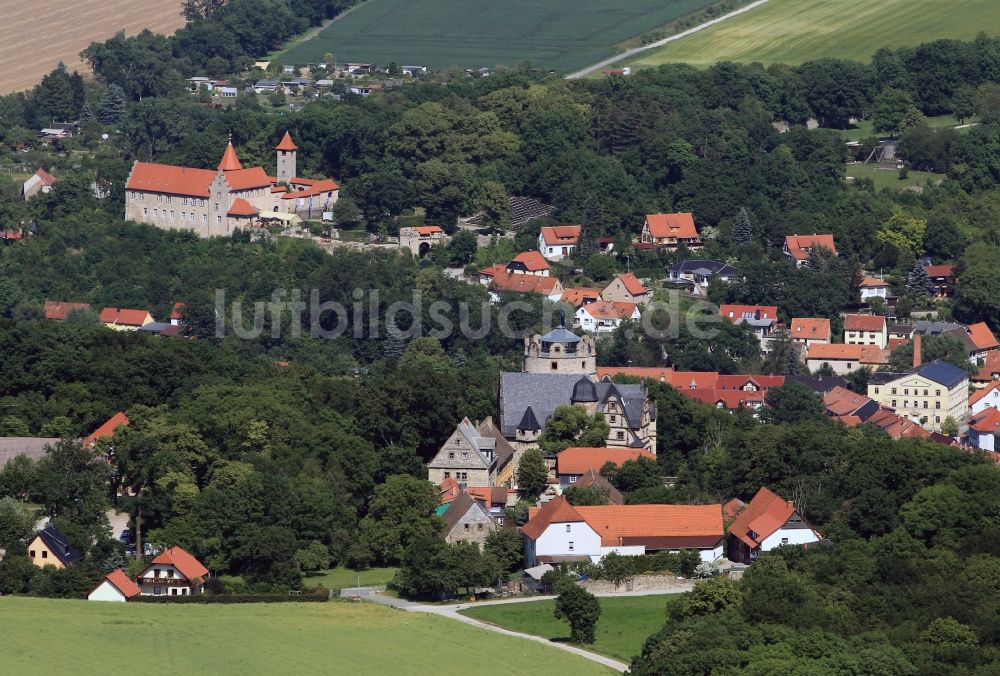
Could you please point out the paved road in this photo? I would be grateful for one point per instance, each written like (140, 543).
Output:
(451, 611)
(659, 43)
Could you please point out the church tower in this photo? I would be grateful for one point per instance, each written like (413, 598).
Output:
(286, 158)
(560, 351)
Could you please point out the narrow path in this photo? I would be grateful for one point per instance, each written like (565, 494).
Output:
(316, 30)
(659, 43)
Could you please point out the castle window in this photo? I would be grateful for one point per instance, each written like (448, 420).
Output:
(204, 218)
(583, 364)
(555, 365)
(145, 211)
(218, 219)
(620, 436)
(184, 201)
(447, 475)
(555, 349)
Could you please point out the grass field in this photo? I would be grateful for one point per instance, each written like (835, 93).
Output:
(890, 179)
(43, 636)
(339, 578)
(36, 36)
(626, 622)
(557, 34)
(793, 31)
(863, 129)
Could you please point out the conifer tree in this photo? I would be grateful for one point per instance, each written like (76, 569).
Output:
(918, 281)
(742, 228)
(590, 231)
(112, 109)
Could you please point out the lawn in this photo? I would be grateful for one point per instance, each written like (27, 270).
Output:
(626, 622)
(339, 578)
(793, 31)
(861, 130)
(890, 179)
(45, 636)
(556, 34)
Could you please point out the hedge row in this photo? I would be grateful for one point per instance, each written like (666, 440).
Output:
(313, 597)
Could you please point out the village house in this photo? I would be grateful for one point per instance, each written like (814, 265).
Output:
(766, 523)
(504, 281)
(943, 279)
(39, 182)
(762, 319)
(844, 359)
(977, 339)
(984, 428)
(529, 263)
(695, 273)
(558, 532)
(558, 241)
(798, 247)
(866, 330)
(51, 548)
(107, 429)
(670, 231)
(855, 409)
(579, 296)
(572, 463)
(987, 397)
(116, 587)
(927, 393)
(627, 288)
(559, 369)
(604, 316)
(593, 478)
(174, 572)
(125, 319)
(873, 287)
(989, 371)
(473, 455)
(467, 520)
(58, 310)
(216, 202)
(809, 331)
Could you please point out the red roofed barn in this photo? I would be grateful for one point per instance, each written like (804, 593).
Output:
(766, 523)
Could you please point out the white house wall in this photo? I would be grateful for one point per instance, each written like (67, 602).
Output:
(555, 540)
(106, 592)
(991, 400)
(796, 536)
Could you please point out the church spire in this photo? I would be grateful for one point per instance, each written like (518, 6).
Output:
(229, 159)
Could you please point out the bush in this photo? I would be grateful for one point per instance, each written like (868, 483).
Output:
(320, 595)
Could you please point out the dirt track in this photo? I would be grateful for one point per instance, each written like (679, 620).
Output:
(36, 36)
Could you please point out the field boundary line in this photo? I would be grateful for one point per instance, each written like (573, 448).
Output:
(659, 43)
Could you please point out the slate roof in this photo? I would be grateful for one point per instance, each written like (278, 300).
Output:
(705, 268)
(544, 392)
(59, 545)
(560, 334)
(942, 373)
(529, 422)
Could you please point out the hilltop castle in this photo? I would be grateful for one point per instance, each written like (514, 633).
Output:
(215, 202)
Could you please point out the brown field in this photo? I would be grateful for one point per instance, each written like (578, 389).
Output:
(36, 35)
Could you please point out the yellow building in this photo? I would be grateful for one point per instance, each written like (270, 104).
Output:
(926, 394)
(52, 548)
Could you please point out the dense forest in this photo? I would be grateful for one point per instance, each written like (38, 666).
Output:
(258, 455)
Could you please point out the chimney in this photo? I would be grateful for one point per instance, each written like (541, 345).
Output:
(917, 356)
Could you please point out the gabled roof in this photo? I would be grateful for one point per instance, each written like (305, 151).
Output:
(59, 545)
(610, 310)
(326, 185)
(809, 328)
(680, 225)
(123, 316)
(841, 402)
(984, 392)
(177, 312)
(835, 351)
(33, 448)
(799, 246)
(557, 510)
(991, 366)
(704, 267)
(240, 207)
(107, 430)
(460, 506)
(579, 460)
(764, 515)
(531, 260)
(59, 310)
(632, 284)
(694, 380)
(942, 373)
(732, 508)
(986, 421)
(229, 161)
(185, 563)
(427, 230)
(662, 375)
(737, 313)
(563, 235)
(873, 323)
(982, 337)
(873, 283)
(45, 177)
(247, 179)
(120, 581)
(593, 478)
(580, 296)
(517, 283)
(690, 525)
(286, 144)
(939, 270)
(166, 178)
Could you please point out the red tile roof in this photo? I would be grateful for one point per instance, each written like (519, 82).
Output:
(979, 394)
(982, 337)
(577, 460)
(738, 382)
(532, 261)
(986, 421)
(610, 310)
(107, 430)
(732, 508)
(318, 188)
(508, 281)
(662, 375)
(166, 178)
(818, 329)
(764, 515)
(873, 323)
(940, 270)
(679, 225)
(632, 284)
(493, 270)
(617, 524)
(46, 177)
(736, 312)
(873, 282)
(59, 310)
(123, 316)
(286, 143)
(229, 161)
(240, 207)
(427, 230)
(120, 581)
(187, 565)
(565, 235)
(991, 365)
(729, 399)
(178, 311)
(557, 510)
(800, 245)
(248, 179)
(835, 351)
(577, 297)
(694, 380)
(897, 342)
(841, 401)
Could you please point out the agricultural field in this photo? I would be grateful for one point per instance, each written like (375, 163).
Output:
(625, 624)
(793, 31)
(36, 36)
(556, 34)
(46, 636)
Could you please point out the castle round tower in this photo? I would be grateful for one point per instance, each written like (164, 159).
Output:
(560, 351)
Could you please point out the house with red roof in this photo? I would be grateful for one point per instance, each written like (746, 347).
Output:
(59, 310)
(984, 428)
(559, 532)
(572, 463)
(762, 319)
(506, 281)
(989, 371)
(798, 247)
(866, 330)
(125, 319)
(873, 287)
(174, 572)
(767, 522)
(107, 429)
(213, 202)
(116, 587)
(844, 359)
(39, 182)
(557, 242)
(670, 231)
(943, 279)
(987, 397)
(809, 331)
(529, 263)
(580, 296)
(421, 238)
(627, 288)
(177, 314)
(604, 316)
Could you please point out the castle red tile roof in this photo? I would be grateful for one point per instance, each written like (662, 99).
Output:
(120, 581)
(563, 235)
(982, 337)
(229, 161)
(185, 563)
(286, 143)
(532, 261)
(578, 459)
(872, 323)
(632, 284)
(318, 188)
(60, 310)
(799, 246)
(248, 179)
(694, 380)
(240, 207)
(107, 430)
(764, 515)
(426, 230)
(808, 328)
(168, 179)
(123, 316)
(680, 226)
